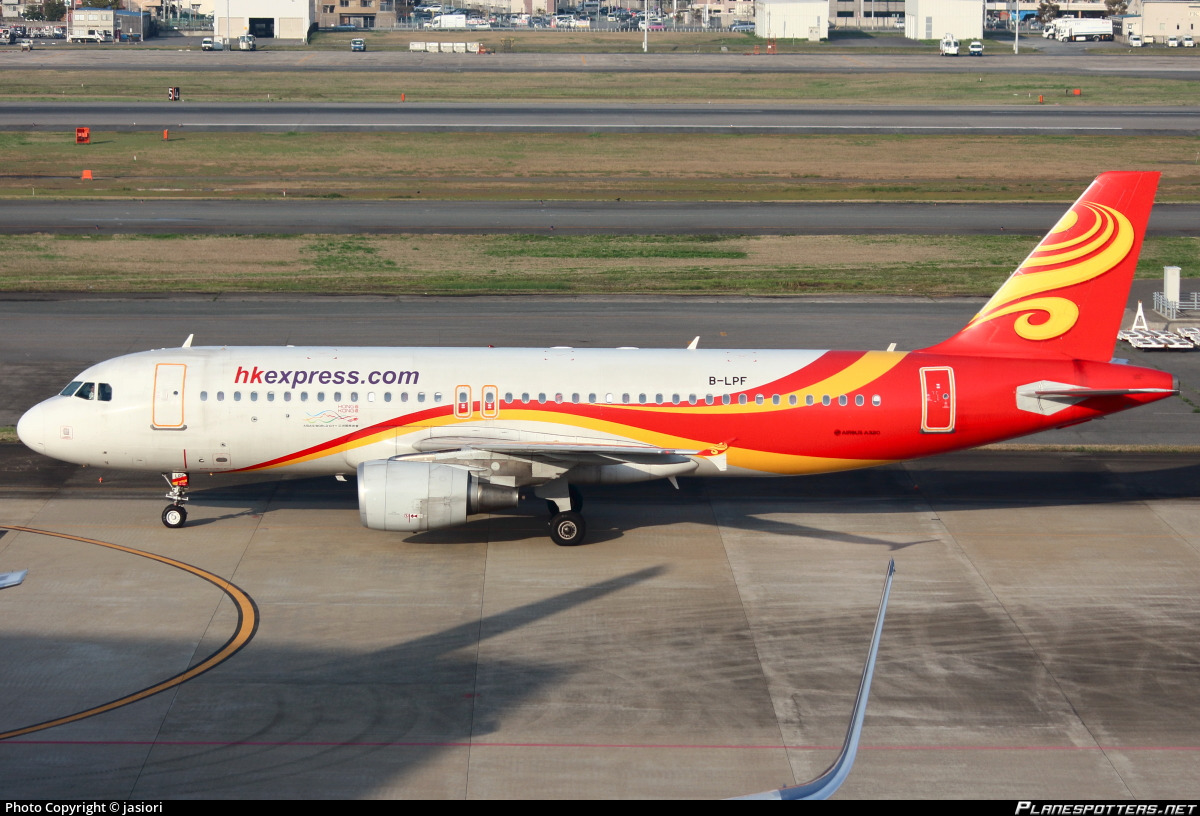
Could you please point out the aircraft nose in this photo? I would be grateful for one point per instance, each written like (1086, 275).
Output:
(31, 429)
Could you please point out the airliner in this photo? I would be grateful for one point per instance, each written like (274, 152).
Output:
(434, 435)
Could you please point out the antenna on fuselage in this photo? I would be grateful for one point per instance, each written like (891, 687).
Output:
(188, 343)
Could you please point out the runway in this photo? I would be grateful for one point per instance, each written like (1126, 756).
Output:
(563, 117)
(295, 216)
(1092, 60)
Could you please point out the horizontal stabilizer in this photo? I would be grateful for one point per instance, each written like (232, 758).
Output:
(1102, 392)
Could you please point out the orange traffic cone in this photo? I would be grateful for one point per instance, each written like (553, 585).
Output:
(87, 175)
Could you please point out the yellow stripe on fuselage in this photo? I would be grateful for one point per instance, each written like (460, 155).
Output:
(863, 371)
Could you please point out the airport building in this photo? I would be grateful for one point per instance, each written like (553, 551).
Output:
(933, 19)
(1161, 19)
(264, 19)
(795, 19)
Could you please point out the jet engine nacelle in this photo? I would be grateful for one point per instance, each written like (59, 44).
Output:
(414, 496)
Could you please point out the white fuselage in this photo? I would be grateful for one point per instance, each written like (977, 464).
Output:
(322, 410)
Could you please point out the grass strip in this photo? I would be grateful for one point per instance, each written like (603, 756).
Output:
(934, 266)
(683, 167)
(729, 87)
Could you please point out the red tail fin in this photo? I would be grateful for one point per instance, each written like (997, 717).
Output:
(1067, 298)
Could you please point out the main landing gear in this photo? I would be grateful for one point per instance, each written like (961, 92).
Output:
(175, 515)
(567, 527)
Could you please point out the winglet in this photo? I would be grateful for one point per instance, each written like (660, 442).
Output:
(827, 783)
(12, 579)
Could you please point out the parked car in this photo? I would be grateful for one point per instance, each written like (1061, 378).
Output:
(975, 49)
(745, 26)
(1135, 41)
(358, 45)
(1188, 42)
(1173, 42)
(209, 44)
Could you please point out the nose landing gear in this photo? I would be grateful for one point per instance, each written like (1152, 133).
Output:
(175, 515)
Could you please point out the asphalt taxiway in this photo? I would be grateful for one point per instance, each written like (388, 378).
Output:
(707, 642)
(1040, 641)
(601, 117)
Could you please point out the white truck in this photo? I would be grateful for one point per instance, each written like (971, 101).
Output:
(1070, 29)
(93, 35)
(949, 46)
(447, 21)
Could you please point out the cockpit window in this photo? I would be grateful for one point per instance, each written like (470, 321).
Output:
(105, 392)
(86, 391)
(70, 389)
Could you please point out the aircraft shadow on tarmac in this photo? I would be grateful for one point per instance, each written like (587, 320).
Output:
(968, 481)
(278, 714)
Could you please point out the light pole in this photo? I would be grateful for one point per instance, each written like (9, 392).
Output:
(1017, 27)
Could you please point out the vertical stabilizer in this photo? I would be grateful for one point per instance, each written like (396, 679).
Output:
(1066, 300)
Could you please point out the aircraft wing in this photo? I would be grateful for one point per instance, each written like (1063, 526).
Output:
(547, 448)
(827, 783)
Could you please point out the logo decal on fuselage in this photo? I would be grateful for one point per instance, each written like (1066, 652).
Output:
(344, 415)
